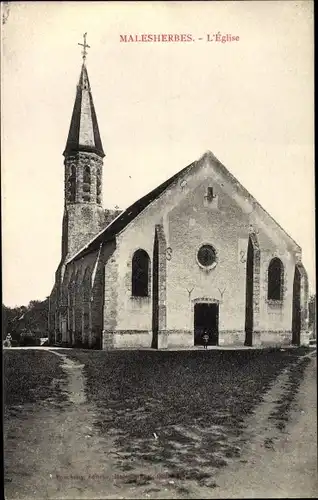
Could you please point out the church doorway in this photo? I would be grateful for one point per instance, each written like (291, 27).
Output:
(206, 320)
(296, 319)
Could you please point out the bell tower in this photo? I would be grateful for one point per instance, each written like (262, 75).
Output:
(83, 212)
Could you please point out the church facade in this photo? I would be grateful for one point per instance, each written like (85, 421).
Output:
(197, 255)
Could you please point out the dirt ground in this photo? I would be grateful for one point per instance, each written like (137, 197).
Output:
(279, 464)
(52, 450)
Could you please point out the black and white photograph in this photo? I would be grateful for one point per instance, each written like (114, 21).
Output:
(158, 250)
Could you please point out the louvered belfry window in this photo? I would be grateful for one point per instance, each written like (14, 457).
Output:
(72, 185)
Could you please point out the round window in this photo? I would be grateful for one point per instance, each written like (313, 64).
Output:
(207, 256)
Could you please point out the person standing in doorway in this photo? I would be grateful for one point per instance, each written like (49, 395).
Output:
(205, 339)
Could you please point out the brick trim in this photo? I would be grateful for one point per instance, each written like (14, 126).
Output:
(235, 338)
(130, 332)
(208, 300)
(257, 280)
(86, 307)
(304, 290)
(162, 243)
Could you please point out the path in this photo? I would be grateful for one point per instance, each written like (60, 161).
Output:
(289, 470)
(58, 453)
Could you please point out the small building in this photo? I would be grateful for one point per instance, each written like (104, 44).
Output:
(197, 254)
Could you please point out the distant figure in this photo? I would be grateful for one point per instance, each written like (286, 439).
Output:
(205, 340)
(7, 342)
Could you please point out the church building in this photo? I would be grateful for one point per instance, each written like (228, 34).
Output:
(197, 255)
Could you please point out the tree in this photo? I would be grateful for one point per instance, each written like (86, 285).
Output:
(31, 318)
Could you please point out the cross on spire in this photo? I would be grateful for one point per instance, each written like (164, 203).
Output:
(85, 46)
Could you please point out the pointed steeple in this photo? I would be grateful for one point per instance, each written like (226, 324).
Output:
(84, 132)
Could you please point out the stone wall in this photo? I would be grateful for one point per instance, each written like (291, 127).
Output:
(83, 213)
(204, 207)
(186, 221)
(77, 304)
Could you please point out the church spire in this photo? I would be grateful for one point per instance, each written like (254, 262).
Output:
(84, 215)
(84, 133)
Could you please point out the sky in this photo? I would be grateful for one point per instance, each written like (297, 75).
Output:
(159, 106)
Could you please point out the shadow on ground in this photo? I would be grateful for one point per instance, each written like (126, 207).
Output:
(182, 411)
(282, 411)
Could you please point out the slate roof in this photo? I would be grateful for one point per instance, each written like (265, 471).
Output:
(128, 215)
(84, 132)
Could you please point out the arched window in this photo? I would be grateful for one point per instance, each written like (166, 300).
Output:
(87, 184)
(99, 185)
(275, 279)
(87, 179)
(72, 184)
(140, 274)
